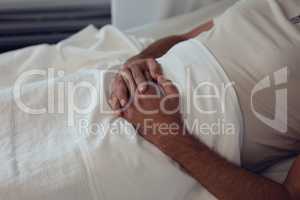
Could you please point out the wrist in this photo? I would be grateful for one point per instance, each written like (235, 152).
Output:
(183, 143)
(178, 145)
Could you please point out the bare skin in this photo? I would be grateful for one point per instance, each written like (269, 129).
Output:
(222, 178)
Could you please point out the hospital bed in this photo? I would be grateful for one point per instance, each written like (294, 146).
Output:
(83, 46)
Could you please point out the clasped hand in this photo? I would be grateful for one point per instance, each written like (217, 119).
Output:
(146, 99)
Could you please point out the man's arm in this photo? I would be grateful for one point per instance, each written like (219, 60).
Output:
(225, 180)
(138, 68)
(292, 183)
(160, 47)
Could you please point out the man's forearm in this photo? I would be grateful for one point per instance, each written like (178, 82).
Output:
(220, 177)
(159, 48)
(162, 46)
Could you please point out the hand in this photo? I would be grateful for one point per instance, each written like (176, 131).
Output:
(156, 113)
(134, 74)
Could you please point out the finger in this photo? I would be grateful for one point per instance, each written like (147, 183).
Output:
(120, 90)
(150, 84)
(128, 79)
(148, 76)
(154, 68)
(115, 104)
(168, 87)
(171, 100)
(139, 78)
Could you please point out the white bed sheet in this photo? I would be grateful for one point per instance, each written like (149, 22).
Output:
(45, 159)
(71, 55)
(62, 154)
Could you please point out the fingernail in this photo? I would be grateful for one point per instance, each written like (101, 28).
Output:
(142, 88)
(123, 102)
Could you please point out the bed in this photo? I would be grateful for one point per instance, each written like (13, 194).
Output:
(58, 169)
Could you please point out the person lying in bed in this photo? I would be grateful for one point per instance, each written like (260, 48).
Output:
(257, 43)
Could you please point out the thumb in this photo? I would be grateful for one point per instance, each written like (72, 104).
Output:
(171, 99)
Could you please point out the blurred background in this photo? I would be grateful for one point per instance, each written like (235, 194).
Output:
(29, 22)
(128, 14)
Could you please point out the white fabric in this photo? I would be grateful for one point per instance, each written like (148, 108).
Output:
(262, 44)
(279, 172)
(189, 65)
(43, 157)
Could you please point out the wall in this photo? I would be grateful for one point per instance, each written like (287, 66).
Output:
(4, 4)
(132, 13)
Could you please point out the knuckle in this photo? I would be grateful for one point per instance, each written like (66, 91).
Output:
(124, 74)
(125, 71)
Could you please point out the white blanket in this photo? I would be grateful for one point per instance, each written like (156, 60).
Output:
(52, 155)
